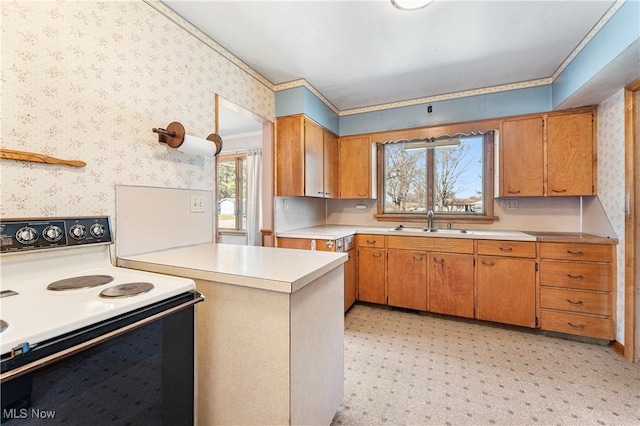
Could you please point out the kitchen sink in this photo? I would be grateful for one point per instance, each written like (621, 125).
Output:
(435, 230)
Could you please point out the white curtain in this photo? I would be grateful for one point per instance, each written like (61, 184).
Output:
(254, 196)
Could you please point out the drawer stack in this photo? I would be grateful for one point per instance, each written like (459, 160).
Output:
(576, 294)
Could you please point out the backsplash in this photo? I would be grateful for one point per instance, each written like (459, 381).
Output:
(88, 81)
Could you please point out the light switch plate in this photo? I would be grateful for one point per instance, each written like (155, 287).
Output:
(197, 204)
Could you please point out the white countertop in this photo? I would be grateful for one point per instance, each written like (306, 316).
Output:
(332, 232)
(268, 268)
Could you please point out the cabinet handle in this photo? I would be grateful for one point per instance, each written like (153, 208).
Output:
(362, 194)
(418, 258)
(327, 193)
(575, 253)
(506, 249)
(579, 326)
(485, 263)
(559, 191)
(579, 302)
(377, 254)
(320, 192)
(511, 191)
(575, 277)
(371, 241)
(438, 260)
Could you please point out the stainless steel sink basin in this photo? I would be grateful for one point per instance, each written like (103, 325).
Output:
(407, 229)
(449, 231)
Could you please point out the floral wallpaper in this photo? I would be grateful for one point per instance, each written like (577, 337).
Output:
(611, 182)
(88, 81)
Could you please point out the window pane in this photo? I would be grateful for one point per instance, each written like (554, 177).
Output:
(227, 194)
(458, 177)
(406, 179)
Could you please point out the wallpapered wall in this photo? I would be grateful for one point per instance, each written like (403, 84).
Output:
(611, 182)
(88, 81)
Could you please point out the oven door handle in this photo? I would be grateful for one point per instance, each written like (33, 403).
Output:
(27, 368)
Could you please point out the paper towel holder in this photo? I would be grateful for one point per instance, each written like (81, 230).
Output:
(174, 135)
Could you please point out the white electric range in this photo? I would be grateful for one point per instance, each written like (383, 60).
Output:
(61, 295)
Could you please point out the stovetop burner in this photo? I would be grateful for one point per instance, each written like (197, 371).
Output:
(76, 283)
(126, 290)
(3, 326)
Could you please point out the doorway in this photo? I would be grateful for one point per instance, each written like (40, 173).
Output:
(244, 176)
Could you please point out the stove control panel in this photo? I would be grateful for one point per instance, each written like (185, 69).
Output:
(19, 235)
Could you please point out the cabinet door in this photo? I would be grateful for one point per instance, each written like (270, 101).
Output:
(313, 160)
(355, 173)
(506, 290)
(450, 284)
(350, 280)
(371, 275)
(521, 158)
(407, 279)
(290, 156)
(570, 165)
(330, 169)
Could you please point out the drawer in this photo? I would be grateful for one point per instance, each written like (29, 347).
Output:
(582, 325)
(584, 252)
(579, 301)
(375, 241)
(507, 248)
(443, 245)
(586, 276)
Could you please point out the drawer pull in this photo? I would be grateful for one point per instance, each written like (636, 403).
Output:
(559, 191)
(579, 302)
(417, 258)
(377, 254)
(575, 277)
(577, 327)
(439, 260)
(485, 263)
(371, 241)
(511, 191)
(575, 253)
(506, 249)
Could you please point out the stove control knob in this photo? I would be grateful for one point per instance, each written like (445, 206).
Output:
(97, 230)
(26, 235)
(52, 233)
(78, 232)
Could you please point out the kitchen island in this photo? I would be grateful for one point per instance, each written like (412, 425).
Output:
(270, 334)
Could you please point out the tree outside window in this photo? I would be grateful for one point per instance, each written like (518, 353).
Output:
(446, 179)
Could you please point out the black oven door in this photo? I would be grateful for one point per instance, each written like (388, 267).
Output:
(136, 369)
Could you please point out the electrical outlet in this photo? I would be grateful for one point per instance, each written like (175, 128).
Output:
(510, 204)
(285, 204)
(197, 204)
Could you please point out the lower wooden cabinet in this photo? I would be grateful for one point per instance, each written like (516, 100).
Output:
(576, 295)
(350, 283)
(407, 279)
(506, 290)
(372, 270)
(450, 284)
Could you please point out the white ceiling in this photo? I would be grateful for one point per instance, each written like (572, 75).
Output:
(366, 53)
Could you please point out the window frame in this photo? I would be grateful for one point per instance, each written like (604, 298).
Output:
(239, 159)
(487, 216)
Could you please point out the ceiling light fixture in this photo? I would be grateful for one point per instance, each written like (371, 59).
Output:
(410, 4)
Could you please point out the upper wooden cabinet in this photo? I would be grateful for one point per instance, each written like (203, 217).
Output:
(356, 167)
(521, 158)
(306, 159)
(548, 155)
(570, 154)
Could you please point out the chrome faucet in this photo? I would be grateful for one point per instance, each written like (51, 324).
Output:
(430, 219)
